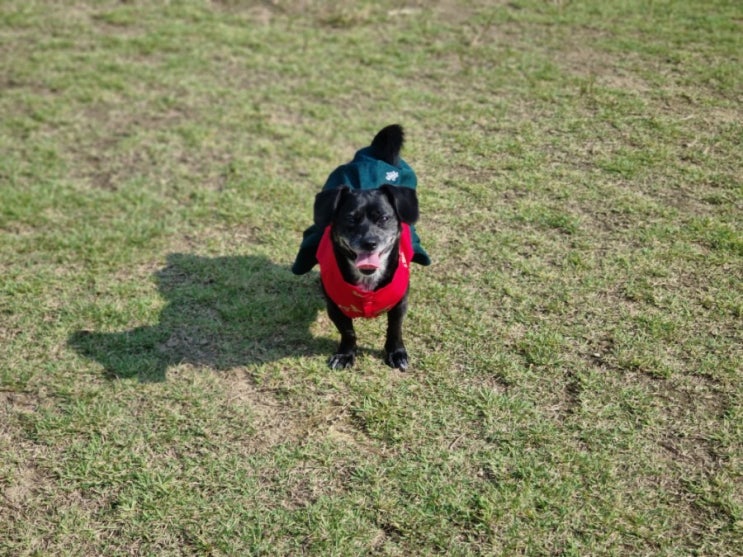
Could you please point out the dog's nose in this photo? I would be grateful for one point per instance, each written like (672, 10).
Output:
(369, 245)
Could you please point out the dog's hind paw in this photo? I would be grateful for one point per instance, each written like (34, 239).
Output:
(341, 361)
(397, 359)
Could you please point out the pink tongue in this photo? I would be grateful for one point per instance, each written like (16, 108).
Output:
(367, 261)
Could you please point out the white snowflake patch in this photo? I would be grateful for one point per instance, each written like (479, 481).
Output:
(392, 176)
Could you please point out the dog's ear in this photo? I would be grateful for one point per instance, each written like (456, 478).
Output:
(404, 200)
(326, 203)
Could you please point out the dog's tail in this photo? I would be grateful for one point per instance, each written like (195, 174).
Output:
(387, 144)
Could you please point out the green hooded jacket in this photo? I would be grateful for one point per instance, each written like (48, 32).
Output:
(364, 172)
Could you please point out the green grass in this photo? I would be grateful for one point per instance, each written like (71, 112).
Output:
(575, 386)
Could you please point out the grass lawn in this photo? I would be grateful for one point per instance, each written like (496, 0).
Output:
(575, 383)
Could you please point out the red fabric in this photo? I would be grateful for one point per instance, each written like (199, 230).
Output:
(357, 302)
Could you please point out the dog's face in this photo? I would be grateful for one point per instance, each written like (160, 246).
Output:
(366, 228)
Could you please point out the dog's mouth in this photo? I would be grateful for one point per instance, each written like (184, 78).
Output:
(368, 262)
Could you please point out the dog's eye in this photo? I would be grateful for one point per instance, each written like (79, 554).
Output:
(379, 217)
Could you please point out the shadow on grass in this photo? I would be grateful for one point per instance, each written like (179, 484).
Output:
(221, 312)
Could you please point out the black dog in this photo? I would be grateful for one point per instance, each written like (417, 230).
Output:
(365, 256)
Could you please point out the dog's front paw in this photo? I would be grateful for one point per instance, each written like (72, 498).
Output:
(341, 360)
(397, 359)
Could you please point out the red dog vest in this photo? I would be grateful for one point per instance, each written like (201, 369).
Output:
(357, 302)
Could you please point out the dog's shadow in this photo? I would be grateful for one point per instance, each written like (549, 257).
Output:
(221, 312)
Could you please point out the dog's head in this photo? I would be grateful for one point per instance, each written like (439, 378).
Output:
(366, 225)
